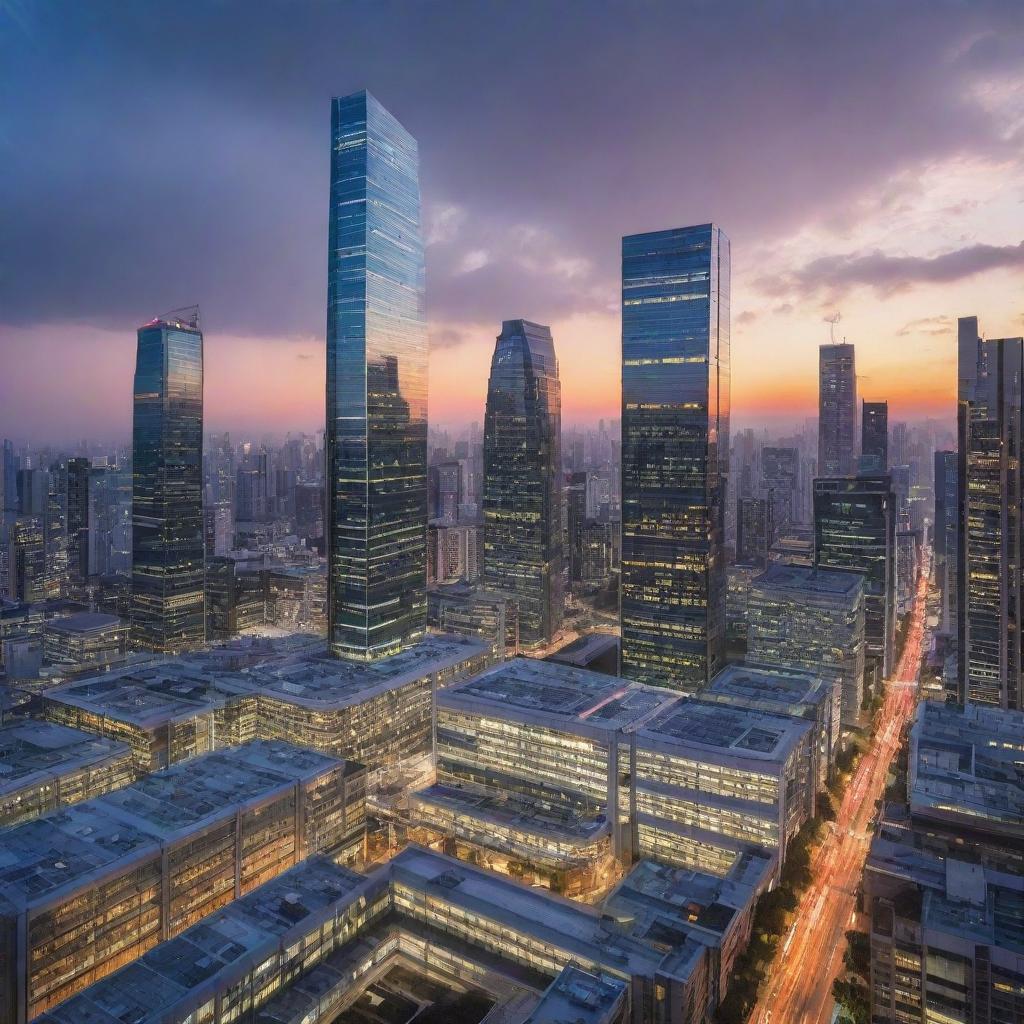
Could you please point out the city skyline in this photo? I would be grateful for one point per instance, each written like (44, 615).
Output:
(900, 238)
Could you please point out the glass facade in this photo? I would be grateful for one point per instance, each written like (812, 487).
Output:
(837, 410)
(376, 385)
(522, 499)
(946, 535)
(989, 551)
(675, 450)
(855, 531)
(168, 575)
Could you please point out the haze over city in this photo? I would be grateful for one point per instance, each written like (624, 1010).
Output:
(877, 173)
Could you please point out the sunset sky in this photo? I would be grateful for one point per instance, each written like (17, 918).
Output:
(866, 158)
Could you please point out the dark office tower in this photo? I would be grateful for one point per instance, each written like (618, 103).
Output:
(754, 533)
(168, 572)
(780, 473)
(376, 385)
(837, 411)
(575, 523)
(675, 454)
(9, 469)
(946, 535)
(522, 499)
(855, 531)
(78, 520)
(874, 437)
(989, 505)
(446, 490)
(26, 560)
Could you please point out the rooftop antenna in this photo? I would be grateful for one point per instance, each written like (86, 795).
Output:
(832, 321)
(185, 315)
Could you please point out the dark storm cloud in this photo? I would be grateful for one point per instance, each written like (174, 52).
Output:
(158, 154)
(889, 274)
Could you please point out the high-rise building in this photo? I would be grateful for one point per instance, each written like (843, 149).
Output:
(26, 560)
(168, 571)
(376, 385)
(78, 519)
(989, 502)
(675, 452)
(946, 535)
(855, 531)
(837, 410)
(874, 437)
(522, 499)
(445, 490)
(754, 531)
(780, 473)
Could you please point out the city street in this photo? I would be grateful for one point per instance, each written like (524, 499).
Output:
(798, 989)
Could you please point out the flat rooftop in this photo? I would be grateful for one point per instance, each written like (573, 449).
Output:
(699, 729)
(67, 849)
(965, 766)
(579, 997)
(765, 687)
(585, 649)
(85, 622)
(562, 695)
(287, 669)
(242, 933)
(807, 580)
(34, 751)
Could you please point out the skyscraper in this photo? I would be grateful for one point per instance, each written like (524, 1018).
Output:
(989, 485)
(837, 410)
(376, 385)
(168, 574)
(874, 442)
(675, 452)
(78, 519)
(855, 531)
(522, 499)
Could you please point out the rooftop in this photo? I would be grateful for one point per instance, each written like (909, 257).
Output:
(585, 649)
(769, 687)
(579, 997)
(965, 766)
(562, 695)
(288, 669)
(85, 622)
(32, 751)
(807, 580)
(701, 729)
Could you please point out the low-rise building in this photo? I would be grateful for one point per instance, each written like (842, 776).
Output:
(84, 640)
(87, 889)
(46, 766)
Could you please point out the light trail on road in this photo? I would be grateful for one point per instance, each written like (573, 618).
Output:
(798, 987)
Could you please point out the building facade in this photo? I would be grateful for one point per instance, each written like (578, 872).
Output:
(989, 518)
(675, 451)
(522, 496)
(874, 437)
(946, 536)
(376, 385)
(168, 571)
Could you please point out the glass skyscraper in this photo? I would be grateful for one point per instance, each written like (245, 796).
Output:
(989, 552)
(855, 531)
(946, 535)
(522, 499)
(675, 450)
(376, 385)
(168, 569)
(837, 410)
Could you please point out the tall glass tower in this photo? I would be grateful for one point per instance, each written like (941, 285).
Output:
(990, 598)
(675, 451)
(168, 569)
(376, 385)
(522, 499)
(874, 437)
(837, 411)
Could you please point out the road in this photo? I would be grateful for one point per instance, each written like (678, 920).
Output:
(798, 986)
